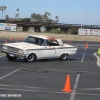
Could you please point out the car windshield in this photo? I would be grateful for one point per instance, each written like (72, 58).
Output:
(35, 40)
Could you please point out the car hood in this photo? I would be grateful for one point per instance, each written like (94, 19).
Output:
(23, 45)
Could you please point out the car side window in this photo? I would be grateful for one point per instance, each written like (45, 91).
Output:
(55, 43)
(40, 41)
(52, 43)
(34, 40)
(30, 40)
(46, 43)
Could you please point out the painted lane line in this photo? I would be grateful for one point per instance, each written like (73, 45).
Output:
(38, 91)
(86, 94)
(21, 86)
(9, 73)
(98, 59)
(83, 56)
(6, 67)
(89, 89)
(75, 87)
(2, 54)
(27, 90)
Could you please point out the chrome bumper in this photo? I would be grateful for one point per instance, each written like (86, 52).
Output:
(13, 54)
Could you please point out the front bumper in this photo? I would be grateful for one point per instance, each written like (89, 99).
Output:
(13, 54)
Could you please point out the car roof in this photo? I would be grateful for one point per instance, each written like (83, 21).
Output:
(45, 37)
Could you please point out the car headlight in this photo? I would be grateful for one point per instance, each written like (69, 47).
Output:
(4, 47)
(21, 51)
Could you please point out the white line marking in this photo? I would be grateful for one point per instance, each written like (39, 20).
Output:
(98, 59)
(6, 67)
(25, 90)
(9, 73)
(75, 87)
(2, 54)
(88, 94)
(30, 90)
(89, 89)
(83, 56)
(22, 86)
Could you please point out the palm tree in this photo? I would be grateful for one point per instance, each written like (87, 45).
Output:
(46, 13)
(49, 15)
(7, 17)
(57, 19)
(5, 10)
(17, 11)
(2, 8)
(33, 16)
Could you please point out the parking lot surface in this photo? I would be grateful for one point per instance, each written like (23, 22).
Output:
(45, 79)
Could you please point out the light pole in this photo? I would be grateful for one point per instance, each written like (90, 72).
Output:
(2, 8)
(82, 12)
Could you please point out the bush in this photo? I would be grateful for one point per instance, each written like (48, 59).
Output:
(56, 31)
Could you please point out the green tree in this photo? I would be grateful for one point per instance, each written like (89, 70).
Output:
(43, 18)
(49, 15)
(25, 20)
(36, 17)
(73, 31)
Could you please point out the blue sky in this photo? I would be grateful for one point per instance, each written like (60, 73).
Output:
(68, 11)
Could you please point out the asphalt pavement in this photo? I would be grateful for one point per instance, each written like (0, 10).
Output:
(45, 79)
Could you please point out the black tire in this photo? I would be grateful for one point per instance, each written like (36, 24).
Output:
(11, 58)
(31, 57)
(63, 57)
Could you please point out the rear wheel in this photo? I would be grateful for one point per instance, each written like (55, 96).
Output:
(30, 58)
(63, 57)
(11, 58)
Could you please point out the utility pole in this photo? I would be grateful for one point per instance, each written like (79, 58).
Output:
(82, 12)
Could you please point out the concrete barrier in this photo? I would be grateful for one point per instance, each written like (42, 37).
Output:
(5, 34)
(19, 29)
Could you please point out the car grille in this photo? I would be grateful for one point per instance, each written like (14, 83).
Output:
(12, 49)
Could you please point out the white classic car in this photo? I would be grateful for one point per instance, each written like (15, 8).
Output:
(38, 47)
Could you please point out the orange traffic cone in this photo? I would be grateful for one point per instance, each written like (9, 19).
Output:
(22, 38)
(69, 41)
(6, 41)
(98, 40)
(67, 85)
(10, 39)
(86, 45)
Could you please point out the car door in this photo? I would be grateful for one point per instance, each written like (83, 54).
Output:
(59, 50)
(48, 52)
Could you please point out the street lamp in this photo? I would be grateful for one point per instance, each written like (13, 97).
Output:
(82, 12)
(2, 8)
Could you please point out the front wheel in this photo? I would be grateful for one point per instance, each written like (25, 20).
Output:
(30, 58)
(63, 57)
(11, 58)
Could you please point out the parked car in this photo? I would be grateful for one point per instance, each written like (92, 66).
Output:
(38, 47)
